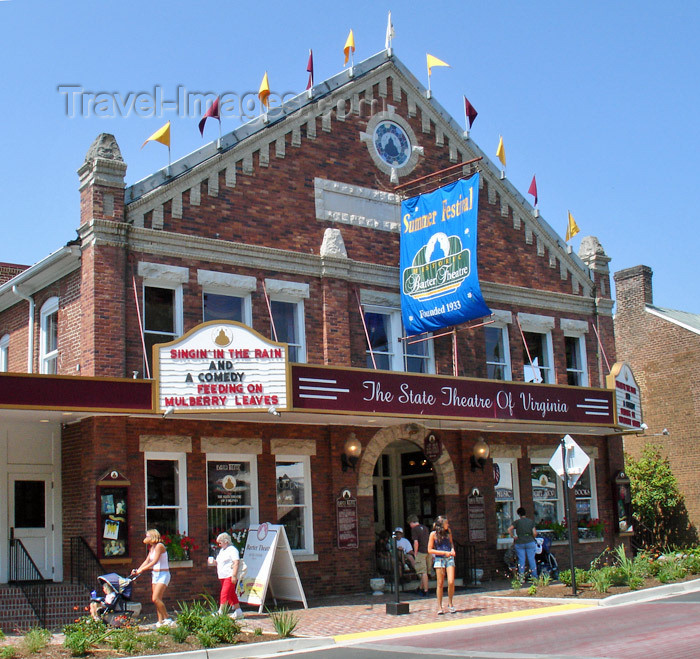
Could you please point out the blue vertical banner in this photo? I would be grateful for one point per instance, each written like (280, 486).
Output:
(439, 279)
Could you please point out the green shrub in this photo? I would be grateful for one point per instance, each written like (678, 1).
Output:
(601, 579)
(672, 570)
(692, 563)
(284, 622)
(78, 642)
(2, 635)
(8, 652)
(544, 580)
(151, 641)
(258, 631)
(222, 628)
(581, 576)
(532, 590)
(36, 639)
(206, 640)
(516, 581)
(179, 633)
(192, 615)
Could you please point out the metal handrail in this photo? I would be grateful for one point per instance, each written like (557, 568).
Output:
(27, 576)
(85, 567)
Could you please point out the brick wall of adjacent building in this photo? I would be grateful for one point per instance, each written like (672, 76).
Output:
(665, 360)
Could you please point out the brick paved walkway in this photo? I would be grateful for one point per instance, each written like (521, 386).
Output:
(349, 614)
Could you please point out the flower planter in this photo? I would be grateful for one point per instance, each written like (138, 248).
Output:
(178, 564)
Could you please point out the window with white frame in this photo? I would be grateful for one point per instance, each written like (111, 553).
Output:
(226, 296)
(166, 492)
(4, 353)
(538, 357)
(505, 478)
(232, 493)
(294, 510)
(162, 304)
(48, 337)
(288, 320)
(575, 349)
(547, 495)
(384, 329)
(497, 346)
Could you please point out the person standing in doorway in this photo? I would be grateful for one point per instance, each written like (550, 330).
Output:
(420, 536)
(157, 562)
(523, 532)
(442, 547)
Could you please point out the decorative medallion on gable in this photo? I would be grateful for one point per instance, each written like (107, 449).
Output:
(392, 144)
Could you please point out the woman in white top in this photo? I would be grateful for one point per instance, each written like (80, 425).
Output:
(157, 562)
(228, 562)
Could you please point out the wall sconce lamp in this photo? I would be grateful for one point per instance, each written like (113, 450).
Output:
(351, 452)
(481, 452)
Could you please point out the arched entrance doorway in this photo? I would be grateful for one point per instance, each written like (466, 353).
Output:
(395, 472)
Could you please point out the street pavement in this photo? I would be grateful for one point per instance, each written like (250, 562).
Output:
(489, 627)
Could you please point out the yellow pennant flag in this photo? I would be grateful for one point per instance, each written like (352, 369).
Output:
(434, 61)
(264, 91)
(501, 151)
(162, 135)
(572, 228)
(349, 46)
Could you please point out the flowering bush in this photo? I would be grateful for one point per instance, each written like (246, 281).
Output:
(179, 546)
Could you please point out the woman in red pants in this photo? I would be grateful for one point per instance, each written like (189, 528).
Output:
(228, 563)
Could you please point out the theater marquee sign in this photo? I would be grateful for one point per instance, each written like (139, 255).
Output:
(400, 394)
(220, 366)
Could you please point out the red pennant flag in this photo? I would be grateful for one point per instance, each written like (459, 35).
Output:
(212, 112)
(533, 189)
(469, 112)
(310, 69)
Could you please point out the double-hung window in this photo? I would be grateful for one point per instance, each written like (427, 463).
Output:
(166, 492)
(294, 509)
(232, 493)
(48, 338)
(505, 477)
(162, 304)
(4, 353)
(538, 357)
(575, 348)
(497, 347)
(226, 296)
(384, 329)
(547, 494)
(288, 323)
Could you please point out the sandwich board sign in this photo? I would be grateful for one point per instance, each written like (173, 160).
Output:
(270, 565)
(576, 461)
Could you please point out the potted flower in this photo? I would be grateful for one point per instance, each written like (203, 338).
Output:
(591, 528)
(179, 546)
(556, 529)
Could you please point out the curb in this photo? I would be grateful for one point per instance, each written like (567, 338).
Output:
(262, 649)
(651, 593)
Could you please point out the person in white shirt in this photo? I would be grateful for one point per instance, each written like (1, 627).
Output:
(228, 563)
(403, 544)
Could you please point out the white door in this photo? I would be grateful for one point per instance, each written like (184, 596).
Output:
(30, 517)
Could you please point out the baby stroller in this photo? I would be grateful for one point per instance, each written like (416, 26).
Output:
(116, 607)
(546, 561)
(544, 558)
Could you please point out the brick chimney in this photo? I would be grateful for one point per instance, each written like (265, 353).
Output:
(102, 181)
(633, 288)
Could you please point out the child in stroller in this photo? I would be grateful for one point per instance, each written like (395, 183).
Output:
(545, 559)
(116, 606)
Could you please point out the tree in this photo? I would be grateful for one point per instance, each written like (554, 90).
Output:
(656, 500)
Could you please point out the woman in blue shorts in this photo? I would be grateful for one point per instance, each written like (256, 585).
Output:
(442, 548)
(157, 562)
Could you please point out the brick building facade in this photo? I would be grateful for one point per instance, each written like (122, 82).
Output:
(663, 348)
(295, 215)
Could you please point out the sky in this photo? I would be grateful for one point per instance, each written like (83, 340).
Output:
(597, 99)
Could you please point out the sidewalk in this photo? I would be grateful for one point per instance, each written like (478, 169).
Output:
(347, 615)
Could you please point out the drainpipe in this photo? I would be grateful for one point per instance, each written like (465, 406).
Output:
(30, 332)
